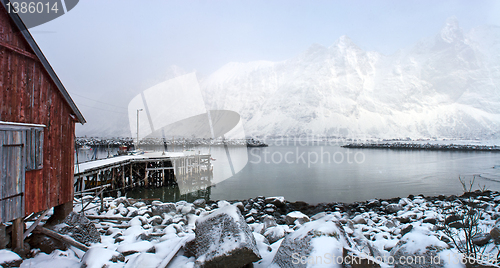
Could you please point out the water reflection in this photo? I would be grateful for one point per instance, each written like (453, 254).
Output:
(195, 174)
(169, 194)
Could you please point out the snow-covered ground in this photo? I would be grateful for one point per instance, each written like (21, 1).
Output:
(386, 230)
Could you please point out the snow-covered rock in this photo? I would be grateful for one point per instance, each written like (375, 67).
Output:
(80, 228)
(98, 257)
(223, 239)
(378, 235)
(9, 258)
(278, 201)
(393, 208)
(419, 243)
(298, 216)
(275, 233)
(163, 208)
(320, 238)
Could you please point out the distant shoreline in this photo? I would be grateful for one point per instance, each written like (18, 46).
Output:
(427, 146)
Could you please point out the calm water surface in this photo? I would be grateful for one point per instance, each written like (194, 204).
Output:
(316, 174)
(359, 175)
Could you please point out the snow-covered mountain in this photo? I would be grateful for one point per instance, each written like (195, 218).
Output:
(445, 86)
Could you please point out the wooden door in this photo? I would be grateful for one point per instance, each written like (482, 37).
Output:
(12, 170)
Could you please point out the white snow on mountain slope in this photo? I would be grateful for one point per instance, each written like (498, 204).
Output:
(444, 86)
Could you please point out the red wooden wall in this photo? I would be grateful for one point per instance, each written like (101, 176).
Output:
(28, 95)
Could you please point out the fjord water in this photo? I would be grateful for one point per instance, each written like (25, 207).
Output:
(324, 173)
(348, 175)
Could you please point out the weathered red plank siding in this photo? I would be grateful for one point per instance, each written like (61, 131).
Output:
(32, 193)
(28, 95)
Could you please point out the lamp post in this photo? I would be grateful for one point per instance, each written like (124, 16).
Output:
(137, 144)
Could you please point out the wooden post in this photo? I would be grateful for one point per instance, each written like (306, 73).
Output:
(18, 234)
(102, 199)
(146, 181)
(113, 179)
(163, 177)
(123, 175)
(130, 178)
(83, 183)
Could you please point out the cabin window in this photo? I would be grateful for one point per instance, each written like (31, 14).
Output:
(34, 149)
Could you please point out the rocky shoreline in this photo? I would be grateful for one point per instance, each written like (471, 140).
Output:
(272, 232)
(427, 146)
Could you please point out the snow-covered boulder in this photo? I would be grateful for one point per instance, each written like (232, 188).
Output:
(275, 233)
(9, 258)
(298, 216)
(317, 243)
(223, 239)
(122, 200)
(393, 208)
(359, 219)
(98, 257)
(163, 208)
(278, 201)
(420, 249)
(201, 203)
(80, 228)
(143, 260)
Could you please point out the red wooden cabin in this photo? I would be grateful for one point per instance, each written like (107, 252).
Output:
(37, 128)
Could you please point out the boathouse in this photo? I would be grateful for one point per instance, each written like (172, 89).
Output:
(37, 130)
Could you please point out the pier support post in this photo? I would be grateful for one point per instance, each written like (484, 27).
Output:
(113, 180)
(130, 180)
(123, 175)
(146, 184)
(163, 177)
(60, 213)
(17, 234)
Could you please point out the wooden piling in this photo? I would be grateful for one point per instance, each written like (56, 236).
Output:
(18, 234)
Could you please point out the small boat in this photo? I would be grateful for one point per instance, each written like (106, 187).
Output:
(136, 152)
(255, 143)
(122, 150)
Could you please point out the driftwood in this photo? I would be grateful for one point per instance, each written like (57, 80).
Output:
(61, 238)
(111, 218)
(106, 227)
(35, 224)
(88, 208)
(99, 194)
(172, 254)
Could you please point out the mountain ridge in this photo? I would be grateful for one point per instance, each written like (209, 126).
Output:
(443, 86)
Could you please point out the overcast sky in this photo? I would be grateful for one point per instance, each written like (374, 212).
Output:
(104, 47)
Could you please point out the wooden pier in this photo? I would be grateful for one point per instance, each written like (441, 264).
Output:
(190, 171)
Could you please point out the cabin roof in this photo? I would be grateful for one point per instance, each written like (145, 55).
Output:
(38, 52)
